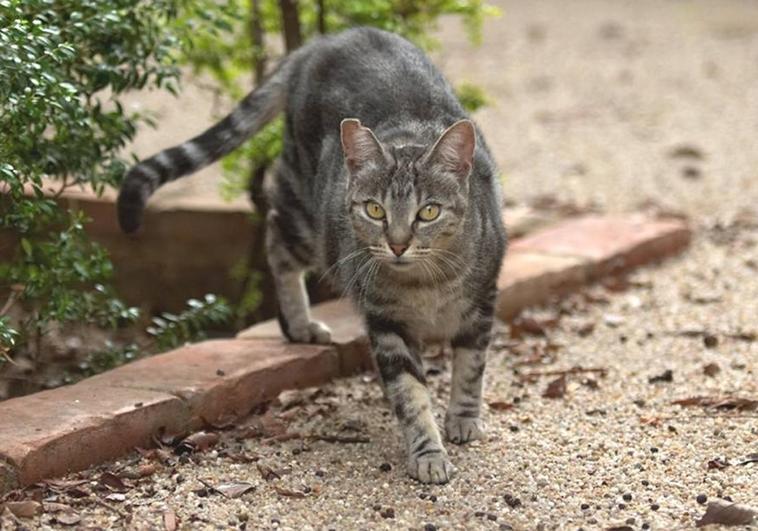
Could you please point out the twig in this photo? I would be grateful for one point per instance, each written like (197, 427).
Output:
(573, 370)
(339, 439)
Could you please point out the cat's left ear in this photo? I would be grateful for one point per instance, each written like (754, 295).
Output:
(454, 150)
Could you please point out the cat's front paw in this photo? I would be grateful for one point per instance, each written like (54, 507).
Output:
(461, 430)
(431, 468)
(314, 332)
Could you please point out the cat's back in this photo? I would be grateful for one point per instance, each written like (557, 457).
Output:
(369, 74)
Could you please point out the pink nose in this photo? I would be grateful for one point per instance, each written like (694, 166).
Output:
(398, 249)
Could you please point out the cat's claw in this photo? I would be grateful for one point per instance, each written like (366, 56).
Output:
(431, 468)
(461, 430)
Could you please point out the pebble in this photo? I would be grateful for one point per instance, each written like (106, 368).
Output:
(701, 499)
(385, 467)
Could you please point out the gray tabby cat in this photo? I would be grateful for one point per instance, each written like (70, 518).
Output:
(404, 216)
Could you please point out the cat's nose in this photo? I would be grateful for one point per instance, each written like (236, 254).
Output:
(398, 249)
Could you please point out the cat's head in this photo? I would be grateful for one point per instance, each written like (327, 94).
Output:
(407, 203)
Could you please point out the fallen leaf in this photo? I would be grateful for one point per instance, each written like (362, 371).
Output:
(719, 402)
(289, 493)
(717, 464)
(68, 518)
(197, 442)
(525, 325)
(556, 388)
(267, 472)
(160, 455)
(170, 522)
(53, 507)
(234, 489)
(24, 509)
(711, 369)
(116, 497)
(500, 405)
(732, 514)
(113, 482)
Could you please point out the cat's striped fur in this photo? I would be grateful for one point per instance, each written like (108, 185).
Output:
(404, 217)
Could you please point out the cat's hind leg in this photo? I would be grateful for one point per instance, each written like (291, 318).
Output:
(463, 419)
(289, 251)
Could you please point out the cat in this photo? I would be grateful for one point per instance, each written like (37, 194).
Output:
(385, 184)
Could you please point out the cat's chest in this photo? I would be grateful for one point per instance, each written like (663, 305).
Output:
(431, 315)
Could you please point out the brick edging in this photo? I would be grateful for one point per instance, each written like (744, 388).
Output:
(70, 428)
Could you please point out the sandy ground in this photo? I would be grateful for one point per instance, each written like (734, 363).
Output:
(623, 104)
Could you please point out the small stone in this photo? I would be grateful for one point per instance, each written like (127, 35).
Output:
(320, 473)
(630, 521)
(585, 506)
(385, 467)
(512, 501)
(710, 341)
(377, 507)
(389, 512)
(655, 507)
(432, 498)
(479, 514)
(220, 372)
(491, 517)
(701, 499)
(654, 450)
(430, 527)
(627, 497)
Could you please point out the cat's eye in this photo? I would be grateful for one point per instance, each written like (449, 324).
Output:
(374, 210)
(429, 212)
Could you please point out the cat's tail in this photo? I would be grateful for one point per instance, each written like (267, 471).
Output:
(248, 117)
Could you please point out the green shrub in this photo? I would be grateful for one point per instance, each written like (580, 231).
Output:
(63, 66)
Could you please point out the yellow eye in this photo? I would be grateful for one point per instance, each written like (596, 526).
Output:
(374, 210)
(429, 213)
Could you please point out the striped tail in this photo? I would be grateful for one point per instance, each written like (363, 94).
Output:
(251, 114)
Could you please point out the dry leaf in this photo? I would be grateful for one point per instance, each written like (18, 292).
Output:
(24, 509)
(732, 514)
(68, 518)
(289, 493)
(717, 464)
(234, 489)
(197, 442)
(267, 472)
(499, 405)
(113, 482)
(719, 402)
(556, 388)
(116, 497)
(52, 507)
(170, 522)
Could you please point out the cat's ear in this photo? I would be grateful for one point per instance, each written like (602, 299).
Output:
(454, 150)
(359, 145)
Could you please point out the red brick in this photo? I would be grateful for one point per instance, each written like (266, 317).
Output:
(528, 279)
(611, 243)
(67, 429)
(226, 377)
(348, 334)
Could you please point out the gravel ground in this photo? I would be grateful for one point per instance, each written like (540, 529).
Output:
(625, 105)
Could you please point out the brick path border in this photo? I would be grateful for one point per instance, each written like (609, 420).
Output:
(67, 429)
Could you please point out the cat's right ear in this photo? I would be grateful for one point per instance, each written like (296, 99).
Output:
(360, 146)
